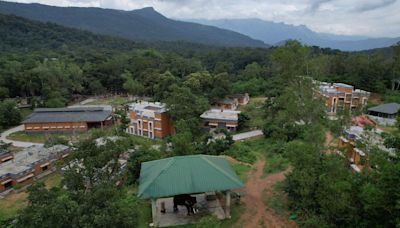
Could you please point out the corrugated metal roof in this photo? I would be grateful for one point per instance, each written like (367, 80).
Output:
(186, 175)
(75, 114)
(390, 108)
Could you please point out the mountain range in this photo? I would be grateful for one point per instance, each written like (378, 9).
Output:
(277, 33)
(139, 25)
(148, 25)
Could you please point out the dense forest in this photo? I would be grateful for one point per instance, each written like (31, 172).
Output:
(51, 65)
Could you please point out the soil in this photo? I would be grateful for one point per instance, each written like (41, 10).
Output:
(257, 214)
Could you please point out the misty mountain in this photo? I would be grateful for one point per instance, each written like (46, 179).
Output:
(21, 34)
(276, 33)
(139, 25)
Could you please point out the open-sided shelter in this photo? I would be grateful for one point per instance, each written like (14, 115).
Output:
(186, 175)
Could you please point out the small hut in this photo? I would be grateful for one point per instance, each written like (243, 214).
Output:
(199, 175)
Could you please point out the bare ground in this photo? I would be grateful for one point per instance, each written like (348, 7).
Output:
(257, 214)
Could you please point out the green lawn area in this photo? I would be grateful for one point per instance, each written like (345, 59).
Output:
(275, 163)
(388, 129)
(35, 138)
(241, 170)
(113, 101)
(249, 151)
(12, 203)
(255, 112)
(276, 199)
(24, 137)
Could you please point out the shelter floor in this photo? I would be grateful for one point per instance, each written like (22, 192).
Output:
(171, 218)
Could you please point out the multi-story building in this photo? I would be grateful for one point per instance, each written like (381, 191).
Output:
(221, 119)
(78, 118)
(150, 119)
(339, 96)
(30, 163)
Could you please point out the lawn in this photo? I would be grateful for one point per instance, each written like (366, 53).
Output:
(275, 198)
(12, 203)
(249, 151)
(113, 101)
(24, 137)
(241, 170)
(275, 163)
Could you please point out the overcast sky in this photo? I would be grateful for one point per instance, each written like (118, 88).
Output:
(376, 18)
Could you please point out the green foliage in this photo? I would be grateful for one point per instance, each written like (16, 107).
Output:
(295, 113)
(89, 196)
(56, 140)
(215, 143)
(141, 154)
(9, 114)
(275, 163)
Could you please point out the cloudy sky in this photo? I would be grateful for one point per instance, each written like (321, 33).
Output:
(375, 18)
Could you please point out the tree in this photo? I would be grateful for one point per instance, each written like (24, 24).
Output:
(185, 105)
(88, 196)
(130, 85)
(9, 114)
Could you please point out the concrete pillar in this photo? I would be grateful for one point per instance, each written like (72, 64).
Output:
(228, 205)
(154, 211)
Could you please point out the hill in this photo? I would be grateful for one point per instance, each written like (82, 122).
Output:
(277, 33)
(139, 25)
(17, 33)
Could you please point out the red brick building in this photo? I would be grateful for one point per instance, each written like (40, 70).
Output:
(150, 120)
(79, 118)
(339, 96)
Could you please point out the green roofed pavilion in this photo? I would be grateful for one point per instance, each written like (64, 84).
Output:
(186, 175)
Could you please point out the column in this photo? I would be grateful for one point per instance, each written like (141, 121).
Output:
(228, 205)
(154, 211)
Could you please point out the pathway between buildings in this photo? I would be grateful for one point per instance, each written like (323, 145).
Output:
(6, 133)
(257, 214)
(247, 135)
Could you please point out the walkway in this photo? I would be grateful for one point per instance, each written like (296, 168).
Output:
(247, 135)
(257, 214)
(8, 132)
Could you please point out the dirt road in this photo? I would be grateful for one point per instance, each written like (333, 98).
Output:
(257, 214)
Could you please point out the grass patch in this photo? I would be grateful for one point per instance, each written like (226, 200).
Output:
(35, 138)
(14, 202)
(388, 129)
(248, 151)
(144, 210)
(241, 170)
(113, 101)
(276, 199)
(211, 221)
(11, 204)
(275, 163)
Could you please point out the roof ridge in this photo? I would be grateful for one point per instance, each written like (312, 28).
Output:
(205, 158)
(170, 162)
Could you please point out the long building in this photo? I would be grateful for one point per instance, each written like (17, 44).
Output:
(340, 96)
(28, 164)
(150, 120)
(78, 118)
(220, 119)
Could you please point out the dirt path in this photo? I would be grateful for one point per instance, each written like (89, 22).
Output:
(257, 214)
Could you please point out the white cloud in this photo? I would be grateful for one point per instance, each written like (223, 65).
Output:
(352, 17)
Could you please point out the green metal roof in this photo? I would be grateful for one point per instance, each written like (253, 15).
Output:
(186, 175)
